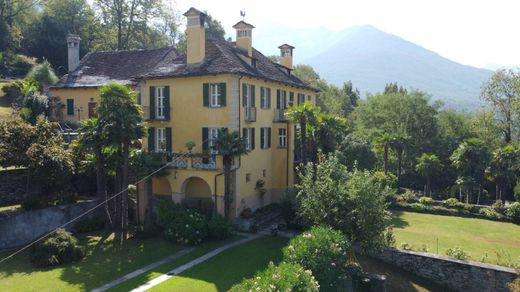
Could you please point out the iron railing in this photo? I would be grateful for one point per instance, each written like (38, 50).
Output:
(279, 115)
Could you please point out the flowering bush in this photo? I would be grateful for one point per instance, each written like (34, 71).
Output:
(284, 277)
(219, 227)
(181, 225)
(322, 250)
(513, 212)
(458, 253)
(426, 201)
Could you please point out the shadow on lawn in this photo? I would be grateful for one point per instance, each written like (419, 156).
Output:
(397, 220)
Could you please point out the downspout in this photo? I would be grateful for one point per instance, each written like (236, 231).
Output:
(288, 155)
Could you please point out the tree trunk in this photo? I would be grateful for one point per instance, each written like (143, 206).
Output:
(303, 133)
(227, 186)
(101, 187)
(428, 186)
(124, 188)
(385, 158)
(399, 161)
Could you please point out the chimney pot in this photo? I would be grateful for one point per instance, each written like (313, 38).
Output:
(245, 36)
(195, 36)
(286, 55)
(73, 41)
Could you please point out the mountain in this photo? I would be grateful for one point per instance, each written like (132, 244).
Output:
(370, 58)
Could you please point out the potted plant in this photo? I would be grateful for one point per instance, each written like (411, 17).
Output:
(189, 145)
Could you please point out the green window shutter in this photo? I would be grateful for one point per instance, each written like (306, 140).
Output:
(167, 102)
(252, 138)
(278, 97)
(253, 95)
(169, 140)
(244, 132)
(205, 141)
(262, 130)
(291, 98)
(222, 89)
(70, 106)
(268, 137)
(268, 97)
(244, 89)
(205, 94)
(151, 139)
(152, 102)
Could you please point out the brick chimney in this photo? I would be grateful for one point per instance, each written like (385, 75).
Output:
(73, 41)
(286, 54)
(195, 36)
(244, 36)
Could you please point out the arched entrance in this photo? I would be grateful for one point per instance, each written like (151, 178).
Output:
(197, 195)
(161, 187)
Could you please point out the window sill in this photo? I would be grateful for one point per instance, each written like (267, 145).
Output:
(212, 106)
(281, 147)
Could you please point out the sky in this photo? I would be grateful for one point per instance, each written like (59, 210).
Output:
(477, 33)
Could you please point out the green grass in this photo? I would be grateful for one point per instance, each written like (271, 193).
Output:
(104, 262)
(228, 268)
(476, 236)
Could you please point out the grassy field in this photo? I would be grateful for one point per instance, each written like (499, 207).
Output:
(104, 262)
(228, 268)
(478, 237)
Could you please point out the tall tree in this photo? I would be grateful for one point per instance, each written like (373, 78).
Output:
(122, 122)
(307, 116)
(502, 91)
(214, 28)
(502, 171)
(428, 165)
(229, 145)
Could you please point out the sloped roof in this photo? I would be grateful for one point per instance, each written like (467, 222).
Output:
(223, 57)
(100, 68)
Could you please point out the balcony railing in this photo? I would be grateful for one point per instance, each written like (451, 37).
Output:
(196, 161)
(147, 115)
(250, 114)
(279, 115)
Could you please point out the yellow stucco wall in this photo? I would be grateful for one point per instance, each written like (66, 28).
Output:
(187, 118)
(81, 96)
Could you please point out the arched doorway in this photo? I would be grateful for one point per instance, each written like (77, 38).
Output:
(161, 187)
(197, 195)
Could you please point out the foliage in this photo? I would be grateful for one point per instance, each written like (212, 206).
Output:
(284, 277)
(219, 227)
(352, 202)
(407, 197)
(59, 248)
(33, 202)
(90, 224)
(457, 253)
(515, 285)
(426, 200)
(43, 74)
(16, 136)
(453, 203)
(322, 250)
(356, 153)
(307, 116)
(498, 206)
(517, 191)
(490, 213)
(36, 106)
(513, 211)
(428, 165)
(183, 226)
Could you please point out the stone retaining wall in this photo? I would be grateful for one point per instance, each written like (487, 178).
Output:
(451, 273)
(24, 227)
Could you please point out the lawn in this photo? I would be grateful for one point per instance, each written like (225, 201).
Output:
(477, 237)
(228, 268)
(104, 262)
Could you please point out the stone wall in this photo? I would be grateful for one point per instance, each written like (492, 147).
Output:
(22, 228)
(13, 184)
(451, 273)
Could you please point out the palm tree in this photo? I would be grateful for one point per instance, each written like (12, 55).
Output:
(384, 141)
(398, 142)
(307, 115)
(122, 121)
(229, 145)
(428, 165)
(91, 138)
(502, 169)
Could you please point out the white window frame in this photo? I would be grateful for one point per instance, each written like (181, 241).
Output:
(160, 137)
(282, 138)
(212, 136)
(265, 132)
(248, 95)
(214, 95)
(247, 138)
(160, 109)
(264, 97)
(283, 100)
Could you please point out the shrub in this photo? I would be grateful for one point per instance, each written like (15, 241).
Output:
(517, 191)
(515, 285)
(289, 207)
(457, 253)
(452, 203)
(43, 74)
(426, 201)
(513, 212)
(284, 277)
(181, 225)
(406, 197)
(406, 246)
(419, 207)
(90, 224)
(323, 251)
(219, 227)
(498, 206)
(59, 248)
(389, 236)
(490, 213)
(468, 207)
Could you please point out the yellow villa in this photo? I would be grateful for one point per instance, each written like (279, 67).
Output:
(187, 98)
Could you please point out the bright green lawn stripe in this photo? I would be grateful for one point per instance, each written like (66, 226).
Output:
(475, 236)
(163, 269)
(228, 268)
(104, 262)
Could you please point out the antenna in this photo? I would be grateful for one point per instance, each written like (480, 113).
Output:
(243, 14)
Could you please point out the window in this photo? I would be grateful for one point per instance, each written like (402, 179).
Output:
(214, 94)
(244, 33)
(70, 106)
(282, 138)
(301, 98)
(280, 99)
(249, 136)
(160, 108)
(265, 138)
(291, 98)
(212, 136)
(248, 95)
(286, 52)
(160, 143)
(308, 97)
(265, 97)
